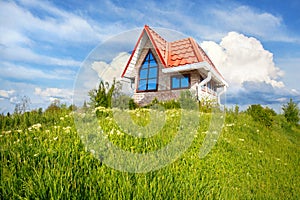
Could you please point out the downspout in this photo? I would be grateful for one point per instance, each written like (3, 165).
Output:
(222, 92)
(208, 78)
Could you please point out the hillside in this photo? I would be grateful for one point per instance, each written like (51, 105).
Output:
(43, 157)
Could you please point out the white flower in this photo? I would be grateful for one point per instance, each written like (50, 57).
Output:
(36, 126)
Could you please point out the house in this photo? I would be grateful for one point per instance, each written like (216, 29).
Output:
(161, 69)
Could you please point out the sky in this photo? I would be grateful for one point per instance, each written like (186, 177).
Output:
(255, 44)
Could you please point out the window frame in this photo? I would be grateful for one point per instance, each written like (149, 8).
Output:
(148, 78)
(181, 76)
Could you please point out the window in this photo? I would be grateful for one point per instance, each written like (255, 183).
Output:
(148, 74)
(180, 82)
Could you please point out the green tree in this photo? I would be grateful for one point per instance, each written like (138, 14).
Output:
(291, 112)
(102, 96)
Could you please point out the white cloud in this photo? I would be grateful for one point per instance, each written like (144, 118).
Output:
(107, 72)
(27, 73)
(242, 59)
(56, 92)
(5, 94)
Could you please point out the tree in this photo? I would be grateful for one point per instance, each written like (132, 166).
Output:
(23, 105)
(291, 112)
(103, 95)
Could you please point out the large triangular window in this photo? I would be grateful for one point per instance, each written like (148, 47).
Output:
(148, 74)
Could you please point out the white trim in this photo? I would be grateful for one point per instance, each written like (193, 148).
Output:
(200, 65)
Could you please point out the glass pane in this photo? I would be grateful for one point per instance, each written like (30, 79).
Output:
(143, 73)
(185, 82)
(152, 72)
(151, 56)
(175, 82)
(153, 63)
(142, 85)
(145, 65)
(151, 84)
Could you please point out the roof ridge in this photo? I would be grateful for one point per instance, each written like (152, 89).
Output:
(157, 50)
(194, 46)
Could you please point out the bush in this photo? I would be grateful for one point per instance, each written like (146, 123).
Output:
(261, 114)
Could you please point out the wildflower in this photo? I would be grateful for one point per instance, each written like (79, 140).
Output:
(241, 139)
(37, 126)
(257, 131)
(67, 129)
(62, 118)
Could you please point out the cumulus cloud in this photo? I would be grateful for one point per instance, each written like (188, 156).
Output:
(6, 94)
(109, 71)
(54, 93)
(250, 71)
(241, 59)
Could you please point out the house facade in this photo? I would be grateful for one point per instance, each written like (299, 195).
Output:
(161, 69)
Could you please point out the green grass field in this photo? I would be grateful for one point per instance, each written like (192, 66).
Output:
(43, 157)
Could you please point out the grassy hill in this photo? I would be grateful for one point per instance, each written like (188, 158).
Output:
(42, 156)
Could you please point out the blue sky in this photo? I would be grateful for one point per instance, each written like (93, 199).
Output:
(43, 43)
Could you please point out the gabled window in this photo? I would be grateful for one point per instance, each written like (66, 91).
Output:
(180, 81)
(148, 74)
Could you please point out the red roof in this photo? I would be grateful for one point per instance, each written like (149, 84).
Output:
(174, 54)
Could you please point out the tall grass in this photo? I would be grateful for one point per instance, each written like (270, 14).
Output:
(44, 158)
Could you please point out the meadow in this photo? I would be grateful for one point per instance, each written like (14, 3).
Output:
(44, 157)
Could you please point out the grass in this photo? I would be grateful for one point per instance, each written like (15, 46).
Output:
(47, 159)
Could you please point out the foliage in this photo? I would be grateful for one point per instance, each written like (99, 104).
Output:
(261, 114)
(102, 96)
(187, 100)
(291, 112)
(206, 105)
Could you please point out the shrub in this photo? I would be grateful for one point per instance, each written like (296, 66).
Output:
(261, 114)
(291, 112)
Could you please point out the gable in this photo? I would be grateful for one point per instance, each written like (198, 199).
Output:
(175, 54)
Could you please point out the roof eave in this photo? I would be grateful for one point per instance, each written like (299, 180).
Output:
(200, 65)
